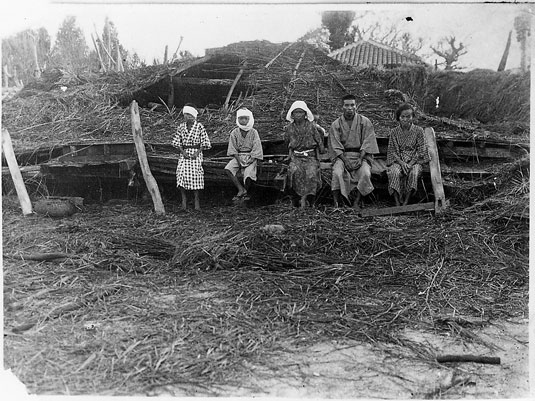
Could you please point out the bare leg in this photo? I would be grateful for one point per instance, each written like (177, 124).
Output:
(409, 194)
(196, 196)
(236, 182)
(356, 204)
(184, 198)
(303, 201)
(396, 198)
(336, 198)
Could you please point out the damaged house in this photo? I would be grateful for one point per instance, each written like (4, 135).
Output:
(73, 126)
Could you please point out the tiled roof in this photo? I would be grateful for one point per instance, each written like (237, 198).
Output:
(370, 53)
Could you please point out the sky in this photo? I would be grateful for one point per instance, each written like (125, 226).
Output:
(146, 27)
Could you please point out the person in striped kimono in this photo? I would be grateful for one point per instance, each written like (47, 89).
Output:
(407, 153)
(190, 139)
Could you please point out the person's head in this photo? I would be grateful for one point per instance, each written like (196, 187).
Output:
(190, 112)
(405, 115)
(299, 112)
(349, 106)
(298, 115)
(244, 119)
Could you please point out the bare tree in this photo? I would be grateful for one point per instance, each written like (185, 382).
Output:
(447, 49)
(390, 35)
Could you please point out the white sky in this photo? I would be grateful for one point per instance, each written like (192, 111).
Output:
(146, 28)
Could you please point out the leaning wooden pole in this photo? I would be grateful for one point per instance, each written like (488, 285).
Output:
(229, 94)
(22, 194)
(152, 186)
(434, 169)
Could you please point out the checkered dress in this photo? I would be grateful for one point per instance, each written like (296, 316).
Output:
(408, 146)
(189, 172)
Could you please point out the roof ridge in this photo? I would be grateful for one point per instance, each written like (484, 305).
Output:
(377, 44)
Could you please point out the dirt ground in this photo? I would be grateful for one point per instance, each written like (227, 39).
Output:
(349, 369)
(298, 367)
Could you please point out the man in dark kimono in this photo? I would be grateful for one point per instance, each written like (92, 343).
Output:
(352, 144)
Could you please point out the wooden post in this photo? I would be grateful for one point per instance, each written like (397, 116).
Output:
(165, 55)
(152, 186)
(229, 94)
(171, 97)
(22, 194)
(120, 67)
(434, 169)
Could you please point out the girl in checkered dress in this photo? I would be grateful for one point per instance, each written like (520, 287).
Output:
(190, 139)
(406, 155)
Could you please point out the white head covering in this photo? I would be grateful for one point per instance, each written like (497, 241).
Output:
(299, 104)
(190, 110)
(245, 113)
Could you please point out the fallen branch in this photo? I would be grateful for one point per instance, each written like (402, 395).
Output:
(469, 358)
(39, 256)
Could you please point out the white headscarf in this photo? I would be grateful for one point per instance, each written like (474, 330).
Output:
(190, 110)
(245, 113)
(299, 104)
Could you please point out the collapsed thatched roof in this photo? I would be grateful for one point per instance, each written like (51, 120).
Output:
(62, 108)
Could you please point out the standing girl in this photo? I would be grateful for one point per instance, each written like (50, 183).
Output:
(190, 139)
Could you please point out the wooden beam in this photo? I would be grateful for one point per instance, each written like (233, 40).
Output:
(429, 206)
(277, 56)
(229, 94)
(190, 65)
(434, 169)
(202, 81)
(152, 185)
(298, 63)
(9, 154)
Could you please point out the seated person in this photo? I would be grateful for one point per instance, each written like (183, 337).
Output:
(245, 147)
(406, 155)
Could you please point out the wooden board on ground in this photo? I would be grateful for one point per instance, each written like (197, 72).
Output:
(417, 207)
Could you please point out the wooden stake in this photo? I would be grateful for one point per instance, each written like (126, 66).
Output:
(385, 211)
(165, 55)
(176, 51)
(152, 185)
(9, 154)
(229, 94)
(434, 169)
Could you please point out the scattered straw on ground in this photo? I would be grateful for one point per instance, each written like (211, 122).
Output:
(192, 299)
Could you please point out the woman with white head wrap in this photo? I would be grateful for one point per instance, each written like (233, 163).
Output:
(246, 149)
(190, 139)
(305, 144)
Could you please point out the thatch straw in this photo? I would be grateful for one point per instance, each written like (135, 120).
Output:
(118, 319)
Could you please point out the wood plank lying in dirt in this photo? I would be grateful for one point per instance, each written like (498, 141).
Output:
(428, 206)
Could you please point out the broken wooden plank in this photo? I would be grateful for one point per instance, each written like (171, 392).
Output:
(429, 206)
(434, 169)
(151, 183)
(16, 175)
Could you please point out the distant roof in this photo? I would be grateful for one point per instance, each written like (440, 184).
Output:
(371, 53)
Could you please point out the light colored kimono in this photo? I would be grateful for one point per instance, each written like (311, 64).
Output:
(349, 140)
(248, 151)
